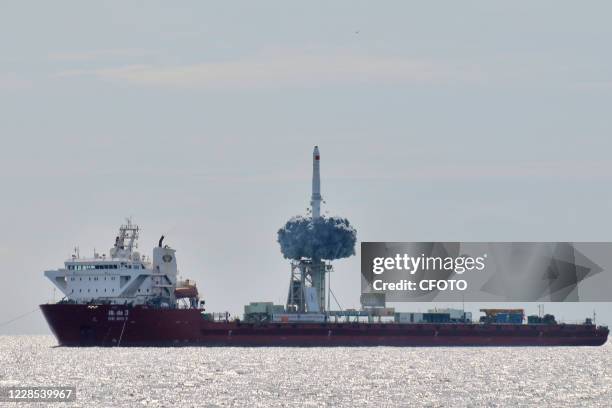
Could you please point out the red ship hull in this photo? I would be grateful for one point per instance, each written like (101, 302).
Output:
(112, 325)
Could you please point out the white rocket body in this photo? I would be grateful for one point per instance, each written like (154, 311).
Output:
(315, 200)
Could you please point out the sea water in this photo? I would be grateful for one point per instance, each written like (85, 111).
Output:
(339, 377)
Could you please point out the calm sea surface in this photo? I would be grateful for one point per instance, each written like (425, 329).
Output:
(384, 376)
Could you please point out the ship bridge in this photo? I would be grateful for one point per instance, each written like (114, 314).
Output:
(123, 277)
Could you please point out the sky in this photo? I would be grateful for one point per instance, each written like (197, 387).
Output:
(455, 121)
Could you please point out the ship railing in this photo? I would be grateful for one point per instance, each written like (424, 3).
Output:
(221, 316)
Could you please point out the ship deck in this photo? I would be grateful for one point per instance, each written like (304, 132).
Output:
(113, 325)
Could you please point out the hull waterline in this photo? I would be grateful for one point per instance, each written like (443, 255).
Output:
(113, 325)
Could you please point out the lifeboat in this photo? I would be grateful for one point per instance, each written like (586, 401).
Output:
(186, 289)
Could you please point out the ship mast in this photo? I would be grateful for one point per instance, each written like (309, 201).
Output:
(126, 240)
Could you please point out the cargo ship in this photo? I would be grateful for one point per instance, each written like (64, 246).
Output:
(128, 299)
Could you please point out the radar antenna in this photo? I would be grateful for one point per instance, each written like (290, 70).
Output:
(126, 240)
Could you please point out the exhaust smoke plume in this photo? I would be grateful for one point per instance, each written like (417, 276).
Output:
(326, 238)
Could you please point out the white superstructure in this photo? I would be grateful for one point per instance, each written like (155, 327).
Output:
(122, 277)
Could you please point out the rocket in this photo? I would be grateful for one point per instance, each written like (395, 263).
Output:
(315, 200)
